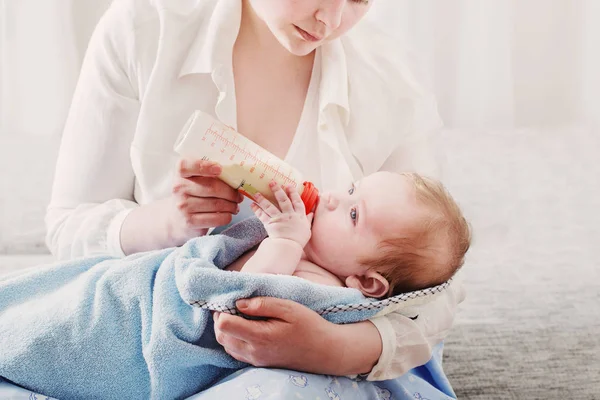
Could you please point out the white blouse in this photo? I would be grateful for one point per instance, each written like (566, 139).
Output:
(151, 63)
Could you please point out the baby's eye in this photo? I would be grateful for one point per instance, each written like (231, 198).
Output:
(353, 214)
(351, 190)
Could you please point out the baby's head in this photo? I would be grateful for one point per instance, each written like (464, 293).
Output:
(390, 234)
(432, 249)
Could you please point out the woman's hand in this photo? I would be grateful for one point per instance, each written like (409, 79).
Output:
(297, 338)
(200, 200)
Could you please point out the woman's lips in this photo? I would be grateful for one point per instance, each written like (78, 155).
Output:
(307, 36)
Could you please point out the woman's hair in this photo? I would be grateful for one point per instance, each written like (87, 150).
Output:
(432, 250)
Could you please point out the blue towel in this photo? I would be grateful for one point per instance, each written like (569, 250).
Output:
(124, 329)
(140, 327)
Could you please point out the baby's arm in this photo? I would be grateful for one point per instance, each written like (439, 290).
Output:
(288, 229)
(275, 256)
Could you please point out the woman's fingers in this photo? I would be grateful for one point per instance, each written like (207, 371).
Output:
(194, 205)
(239, 356)
(205, 220)
(200, 200)
(291, 337)
(188, 168)
(200, 186)
(199, 178)
(236, 327)
(225, 338)
(235, 347)
(269, 307)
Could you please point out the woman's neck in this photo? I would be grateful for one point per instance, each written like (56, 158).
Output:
(254, 33)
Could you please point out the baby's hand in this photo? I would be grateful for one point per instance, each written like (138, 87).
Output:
(291, 222)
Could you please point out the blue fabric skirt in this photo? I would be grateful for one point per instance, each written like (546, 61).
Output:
(427, 382)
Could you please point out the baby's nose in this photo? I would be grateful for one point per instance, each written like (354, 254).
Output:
(332, 202)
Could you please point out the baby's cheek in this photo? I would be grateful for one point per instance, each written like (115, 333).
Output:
(322, 233)
(319, 227)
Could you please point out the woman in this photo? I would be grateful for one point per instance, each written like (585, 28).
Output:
(279, 72)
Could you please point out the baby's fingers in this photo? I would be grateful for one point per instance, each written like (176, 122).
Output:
(297, 202)
(266, 205)
(260, 214)
(310, 217)
(282, 198)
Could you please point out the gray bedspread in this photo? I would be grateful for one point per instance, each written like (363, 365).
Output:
(530, 327)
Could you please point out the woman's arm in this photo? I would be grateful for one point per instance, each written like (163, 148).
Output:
(408, 342)
(295, 337)
(420, 153)
(93, 210)
(94, 180)
(199, 201)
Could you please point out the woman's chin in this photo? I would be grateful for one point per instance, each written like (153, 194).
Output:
(298, 47)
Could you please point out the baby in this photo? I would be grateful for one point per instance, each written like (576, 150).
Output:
(388, 234)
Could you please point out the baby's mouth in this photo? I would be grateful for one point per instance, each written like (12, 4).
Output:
(314, 211)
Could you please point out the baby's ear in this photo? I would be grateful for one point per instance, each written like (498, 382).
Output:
(371, 284)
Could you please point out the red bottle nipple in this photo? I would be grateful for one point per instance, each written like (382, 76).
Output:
(309, 196)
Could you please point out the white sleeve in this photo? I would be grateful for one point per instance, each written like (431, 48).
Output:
(420, 151)
(408, 343)
(94, 180)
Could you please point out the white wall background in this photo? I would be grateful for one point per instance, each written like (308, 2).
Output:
(42, 43)
(504, 63)
(495, 66)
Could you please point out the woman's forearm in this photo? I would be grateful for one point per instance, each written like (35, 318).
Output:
(148, 228)
(357, 350)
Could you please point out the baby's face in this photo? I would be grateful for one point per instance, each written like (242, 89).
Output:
(350, 225)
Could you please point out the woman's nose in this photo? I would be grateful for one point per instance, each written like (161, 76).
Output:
(330, 13)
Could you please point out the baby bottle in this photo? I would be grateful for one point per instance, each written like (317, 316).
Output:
(247, 167)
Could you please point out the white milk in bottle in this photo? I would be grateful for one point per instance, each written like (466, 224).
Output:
(247, 167)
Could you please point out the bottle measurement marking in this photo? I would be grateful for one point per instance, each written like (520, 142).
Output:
(230, 144)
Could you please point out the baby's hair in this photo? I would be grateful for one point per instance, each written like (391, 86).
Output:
(431, 252)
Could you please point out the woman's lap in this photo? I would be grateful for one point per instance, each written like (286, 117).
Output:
(427, 383)
(424, 383)
(8, 391)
